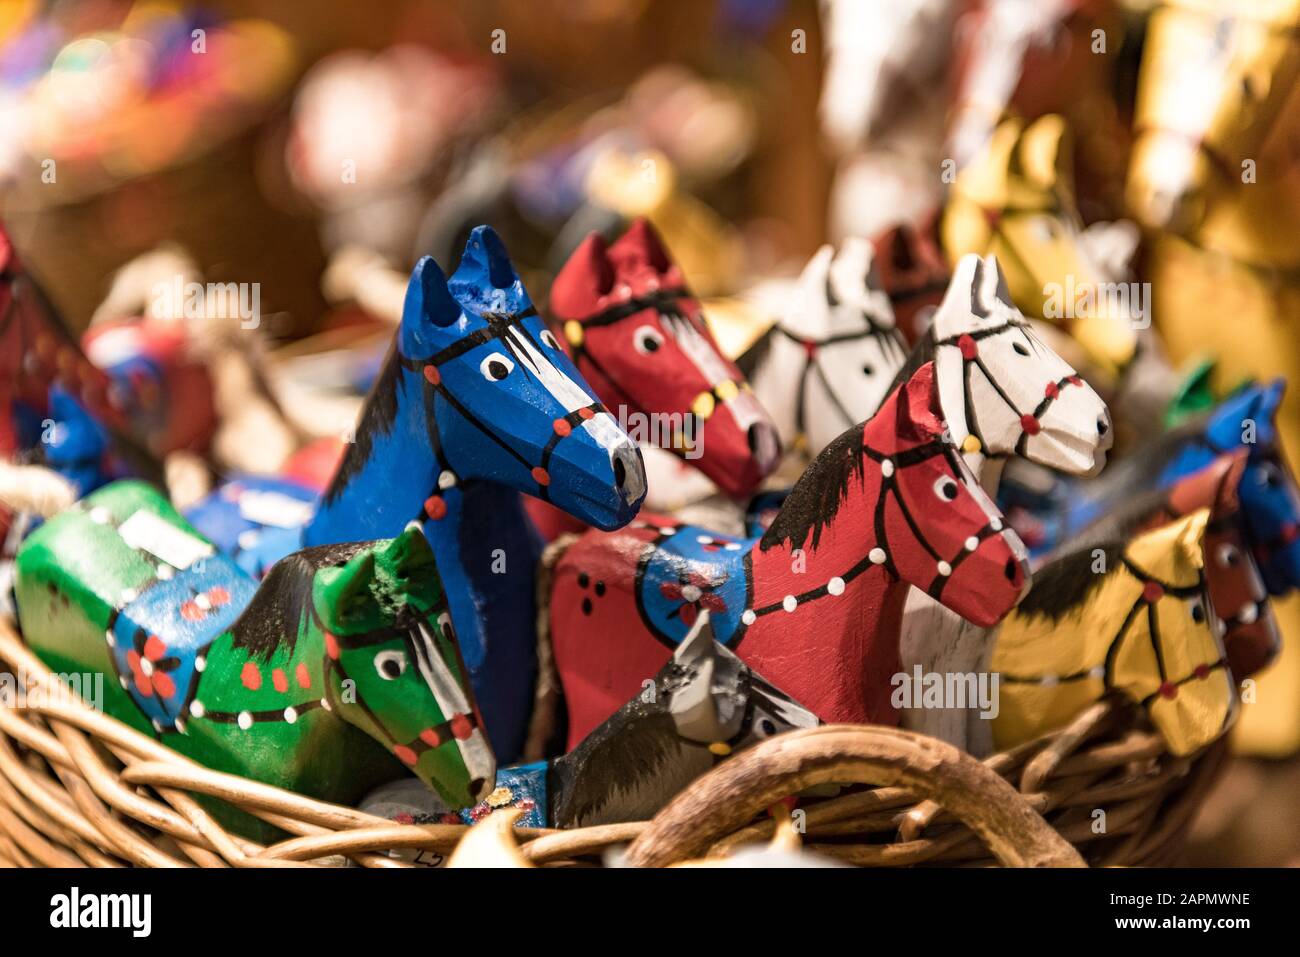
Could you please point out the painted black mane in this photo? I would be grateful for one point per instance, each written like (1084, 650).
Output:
(275, 616)
(380, 412)
(1065, 583)
(819, 493)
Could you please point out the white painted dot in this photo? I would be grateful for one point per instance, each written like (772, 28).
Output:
(789, 603)
(290, 715)
(748, 617)
(325, 703)
(249, 538)
(196, 709)
(668, 530)
(200, 663)
(157, 725)
(972, 543)
(732, 546)
(447, 479)
(877, 556)
(996, 524)
(165, 573)
(1249, 612)
(1098, 672)
(835, 586)
(179, 725)
(887, 468)
(129, 595)
(108, 637)
(245, 720)
(100, 515)
(944, 569)
(691, 592)
(203, 601)
(1049, 681)
(146, 667)
(123, 681)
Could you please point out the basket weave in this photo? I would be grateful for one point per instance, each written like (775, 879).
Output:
(80, 788)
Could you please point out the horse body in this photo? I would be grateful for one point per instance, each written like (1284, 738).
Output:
(814, 604)
(254, 680)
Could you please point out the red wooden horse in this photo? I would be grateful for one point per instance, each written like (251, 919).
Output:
(816, 602)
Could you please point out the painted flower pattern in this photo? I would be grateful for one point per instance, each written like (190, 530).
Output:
(151, 666)
(694, 591)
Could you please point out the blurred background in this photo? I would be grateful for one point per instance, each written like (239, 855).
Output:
(267, 139)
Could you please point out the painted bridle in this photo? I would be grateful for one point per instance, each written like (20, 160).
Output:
(1030, 423)
(498, 329)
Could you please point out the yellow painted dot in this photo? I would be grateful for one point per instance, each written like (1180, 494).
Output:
(500, 797)
(573, 332)
(726, 390)
(720, 748)
(703, 405)
(971, 444)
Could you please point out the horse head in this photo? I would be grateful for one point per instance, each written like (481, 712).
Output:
(1213, 82)
(386, 629)
(509, 404)
(637, 333)
(1003, 391)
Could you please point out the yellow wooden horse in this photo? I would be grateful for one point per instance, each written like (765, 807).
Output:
(1133, 620)
(1215, 182)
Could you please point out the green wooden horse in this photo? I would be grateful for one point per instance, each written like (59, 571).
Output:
(328, 679)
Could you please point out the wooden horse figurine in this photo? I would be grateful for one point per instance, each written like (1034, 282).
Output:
(477, 403)
(703, 705)
(1136, 622)
(329, 678)
(636, 333)
(1233, 580)
(913, 272)
(815, 604)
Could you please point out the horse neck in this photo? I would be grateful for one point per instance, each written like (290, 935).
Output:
(387, 475)
(240, 669)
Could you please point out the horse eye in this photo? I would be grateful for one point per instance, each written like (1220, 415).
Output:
(444, 626)
(496, 367)
(868, 370)
(1228, 556)
(647, 339)
(390, 664)
(1021, 348)
(549, 339)
(764, 727)
(945, 488)
(1198, 612)
(1268, 475)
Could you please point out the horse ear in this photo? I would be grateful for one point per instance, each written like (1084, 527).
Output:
(641, 246)
(814, 284)
(995, 281)
(1191, 538)
(585, 277)
(347, 589)
(918, 409)
(407, 559)
(1045, 153)
(953, 316)
(1214, 486)
(698, 643)
(427, 297)
(485, 261)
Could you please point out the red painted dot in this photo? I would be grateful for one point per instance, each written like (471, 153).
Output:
(1202, 671)
(406, 755)
(154, 648)
(191, 612)
(541, 476)
(462, 727)
(303, 675)
(562, 427)
(1074, 380)
(432, 375)
(331, 645)
(1290, 532)
(810, 349)
(586, 414)
(435, 507)
(1052, 390)
(1030, 424)
(218, 596)
(431, 737)
(250, 676)
(163, 684)
(1152, 592)
(1169, 690)
(967, 345)
(280, 680)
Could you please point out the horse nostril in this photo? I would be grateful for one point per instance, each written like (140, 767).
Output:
(620, 472)
(1102, 426)
(1012, 570)
(763, 442)
(476, 787)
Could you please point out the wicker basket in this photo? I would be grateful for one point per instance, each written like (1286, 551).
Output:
(80, 788)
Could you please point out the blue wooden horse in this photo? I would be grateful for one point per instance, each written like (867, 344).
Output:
(475, 404)
(1270, 501)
